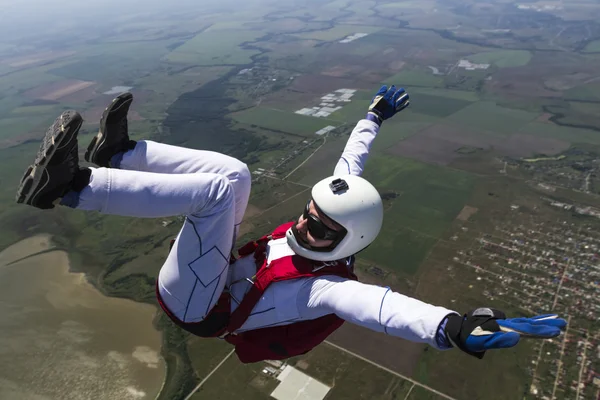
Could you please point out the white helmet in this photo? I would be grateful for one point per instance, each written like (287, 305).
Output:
(353, 203)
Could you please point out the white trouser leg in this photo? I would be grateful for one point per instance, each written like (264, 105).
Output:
(151, 156)
(194, 274)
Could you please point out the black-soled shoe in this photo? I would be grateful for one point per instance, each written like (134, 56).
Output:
(113, 136)
(55, 166)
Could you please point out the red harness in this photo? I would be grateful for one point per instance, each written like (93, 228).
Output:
(272, 343)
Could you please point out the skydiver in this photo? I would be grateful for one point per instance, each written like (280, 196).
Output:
(284, 293)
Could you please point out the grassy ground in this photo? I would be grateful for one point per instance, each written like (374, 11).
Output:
(451, 94)
(322, 163)
(568, 134)
(20, 81)
(349, 376)
(589, 92)
(275, 202)
(343, 373)
(215, 47)
(115, 63)
(415, 78)
(236, 380)
(17, 126)
(592, 47)
(282, 121)
(436, 106)
(338, 32)
(584, 108)
(394, 131)
(502, 58)
(34, 110)
(488, 116)
(419, 393)
(206, 353)
(428, 199)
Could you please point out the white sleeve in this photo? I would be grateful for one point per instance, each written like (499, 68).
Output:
(374, 307)
(357, 149)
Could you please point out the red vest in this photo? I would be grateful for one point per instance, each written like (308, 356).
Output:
(277, 342)
(280, 342)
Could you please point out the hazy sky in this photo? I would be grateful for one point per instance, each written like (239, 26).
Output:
(21, 19)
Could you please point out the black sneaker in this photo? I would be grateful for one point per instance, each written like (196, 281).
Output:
(112, 137)
(55, 166)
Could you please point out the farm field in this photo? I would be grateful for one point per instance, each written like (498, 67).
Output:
(283, 121)
(215, 47)
(338, 32)
(502, 58)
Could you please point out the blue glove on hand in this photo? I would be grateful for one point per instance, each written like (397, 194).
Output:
(485, 329)
(386, 103)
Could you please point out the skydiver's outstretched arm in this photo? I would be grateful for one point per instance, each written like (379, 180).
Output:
(383, 310)
(374, 307)
(385, 104)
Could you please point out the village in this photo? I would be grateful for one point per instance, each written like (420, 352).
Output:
(543, 268)
(574, 169)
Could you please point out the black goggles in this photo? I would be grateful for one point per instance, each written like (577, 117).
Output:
(316, 227)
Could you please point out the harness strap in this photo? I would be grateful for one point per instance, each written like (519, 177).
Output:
(272, 273)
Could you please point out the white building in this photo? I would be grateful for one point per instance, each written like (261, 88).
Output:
(325, 130)
(352, 38)
(296, 385)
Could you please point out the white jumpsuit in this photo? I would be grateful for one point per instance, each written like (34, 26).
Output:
(212, 190)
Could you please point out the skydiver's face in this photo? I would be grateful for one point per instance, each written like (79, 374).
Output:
(315, 229)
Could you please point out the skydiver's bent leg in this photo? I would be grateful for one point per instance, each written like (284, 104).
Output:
(112, 147)
(194, 274)
(162, 158)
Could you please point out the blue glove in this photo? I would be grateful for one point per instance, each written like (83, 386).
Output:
(386, 103)
(486, 328)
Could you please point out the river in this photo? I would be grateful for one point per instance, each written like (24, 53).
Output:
(60, 338)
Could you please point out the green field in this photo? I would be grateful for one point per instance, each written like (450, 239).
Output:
(346, 376)
(236, 380)
(283, 121)
(426, 102)
(355, 110)
(584, 108)
(17, 82)
(488, 116)
(429, 199)
(398, 249)
(419, 393)
(35, 110)
(20, 125)
(415, 78)
(592, 47)
(436, 106)
(568, 134)
(206, 353)
(502, 58)
(451, 94)
(394, 131)
(338, 32)
(362, 8)
(215, 47)
(399, 7)
(114, 63)
(588, 92)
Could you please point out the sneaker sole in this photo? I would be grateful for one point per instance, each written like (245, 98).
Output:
(56, 137)
(99, 140)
